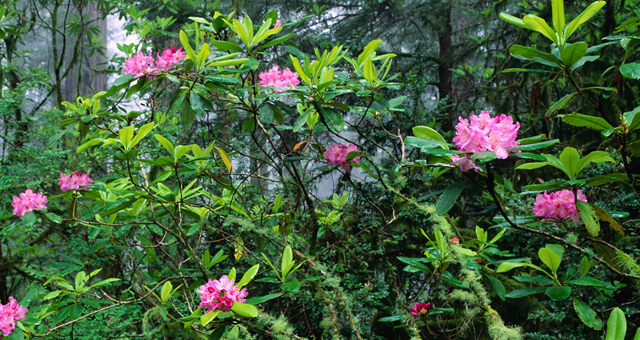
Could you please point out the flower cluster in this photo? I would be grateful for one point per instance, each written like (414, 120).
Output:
(9, 314)
(140, 65)
(455, 240)
(558, 205)
(337, 154)
(484, 133)
(27, 202)
(75, 181)
(276, 78)
(220, 294)
(420, 309)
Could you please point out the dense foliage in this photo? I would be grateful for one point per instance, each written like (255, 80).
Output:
(366, 169)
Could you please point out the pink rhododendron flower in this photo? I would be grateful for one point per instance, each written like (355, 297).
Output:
(9, 314)
(278, 24)
(140, 65)
(558, 205)
(276, 78)
(75, 181)
(27, 202)
(484, 133)
(420, 309)
(455, 240)
(337, 154)
(465, 163)
(220, 294)
(169, 58)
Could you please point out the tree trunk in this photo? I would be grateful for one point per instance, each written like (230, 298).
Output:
(444, 67)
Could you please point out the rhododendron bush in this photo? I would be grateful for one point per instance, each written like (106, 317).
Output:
(229, 185)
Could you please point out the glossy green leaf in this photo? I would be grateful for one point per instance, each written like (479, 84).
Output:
(631, 70)
(588, 217)
(549, 258)
(245, 310)
(574, 52)
(570, 159)
(291, 286)
(449, 198)
(557, 12)
(518, 293)
(538, 24)
(616, 325)
(166, 291)
(248, 276)
(590, 122)
(582, 18)
(587, 315)
(530, 53)
(498, 287)
(585, 265)
(558, 293)
(207, 318)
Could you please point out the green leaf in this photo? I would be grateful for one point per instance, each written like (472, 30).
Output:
(588, 217)
(498, 287)
(165, 143)
(122, 80)
(208, 317)
(52, 295)
(226, 46)
(54, 218)
(187, 47)
(245, 310)
(29, 219)
(560, 104)
(570, 159)
(165, 292)
(368, 70)
(291, 286)
(558, 249)
(587, 315)
(197, 104)
(590, 122)
(582, 18)
(248, 276)
(535, 146)
(249, 124)
(616, 325)
(265, 112)
(126, 135)
(449, 197)
(585, 265)
(632, 119)
(426, 132)
(287, 259)
(507, 266)
(538, 24)
(631, 70)
(518, 293)
(371, 47)
(583, 60)
(549, 258)
(142, 132)
(530, 166)
(574, 52)
(605, 216)
(595, 157)
(536, 279)
(590, 281)
(557, 11)
(513, 20)
(529, 53)
(558, 293)
(187, 115)
(277, 41)
(261, 299)
(425, 143)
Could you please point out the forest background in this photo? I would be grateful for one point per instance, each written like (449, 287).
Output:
(369, 243)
